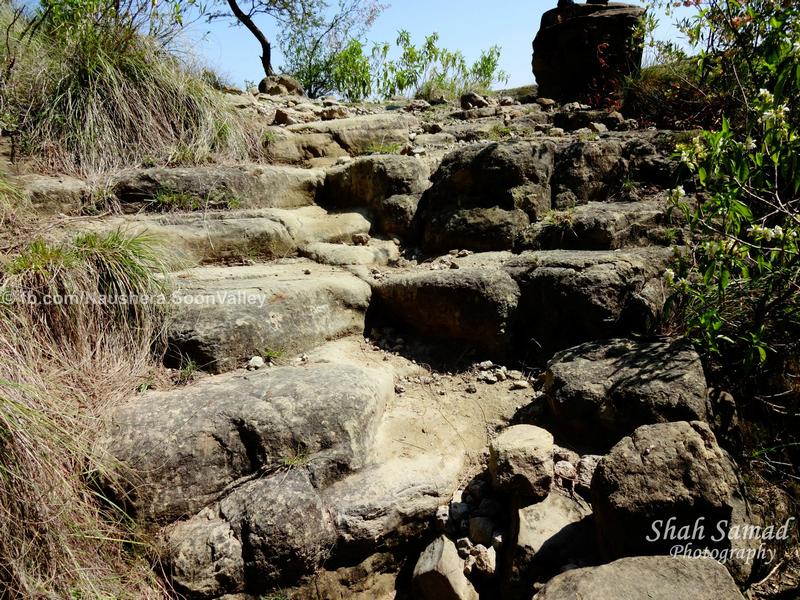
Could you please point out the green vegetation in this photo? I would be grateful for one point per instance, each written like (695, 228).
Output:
(383, 149)
(736, 292)
(83, 91)
(429, 71)
(499, 132)
(63, 360)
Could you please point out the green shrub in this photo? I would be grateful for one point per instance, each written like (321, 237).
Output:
(737, 291)
(429, 69)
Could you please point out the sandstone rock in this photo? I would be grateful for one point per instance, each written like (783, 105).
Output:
(551, 534)
(439, 573)
(269, 532)
(245, 186)
(281, 85)
(359, 135)
(521, 462)
(481, 530)
(599, 226)
(651, 577)
(471, 305)
(569, 297)
(599, 170)
(226, 314)
(602, 391)
(375, 253)
(473, 100)
(664, 471)
(587, 465)
(390, 504)
(566, 60)
(181, 449)
(193, 238)
(53, 195)
(474, 187)
(395, 215)
(388, 187)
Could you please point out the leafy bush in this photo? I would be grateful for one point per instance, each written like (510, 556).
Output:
(84, 90)
(738, 290)
(430, 70)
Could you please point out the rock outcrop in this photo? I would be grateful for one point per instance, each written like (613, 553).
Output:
(584, 51)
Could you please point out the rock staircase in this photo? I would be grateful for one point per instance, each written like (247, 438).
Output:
(413, 311)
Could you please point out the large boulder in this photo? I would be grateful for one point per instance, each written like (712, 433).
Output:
(224, 316)
(204, 187)
(365, 134)
(267, 533)
(472, 305)
(390, 505)
(603, 391)
(651, 577)
(659, 480)
(484, 196)
(181, 449)
(570, 297)
(585, 51)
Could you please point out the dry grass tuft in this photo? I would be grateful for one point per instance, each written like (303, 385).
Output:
(61, 369)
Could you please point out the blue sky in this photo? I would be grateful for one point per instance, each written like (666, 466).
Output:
(466, 25)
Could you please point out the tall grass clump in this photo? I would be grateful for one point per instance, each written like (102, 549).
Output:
(91, 86)
(63, 365)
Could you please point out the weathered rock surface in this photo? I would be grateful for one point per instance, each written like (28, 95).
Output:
(651, 577)
(566, 60)
(280, 85)
(374, 253)
(391, 504)
(388, 187)
(226, 315)
(603, 391)
(600, 226)
(361, 135)
(482, 197)
(439, 573)
(600, 170)
(552, 534)
(664, 471)
(367, 181)
(188, 239)
(243, 186)
(53, 195)
(521, 462)
(569, 297)
(267, 533)
(472, 305)
(183, 448)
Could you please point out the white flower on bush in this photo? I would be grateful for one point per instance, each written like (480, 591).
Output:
(796, 48)
(677, 194)
(766, 96)
(669, 276)
(750, 144)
